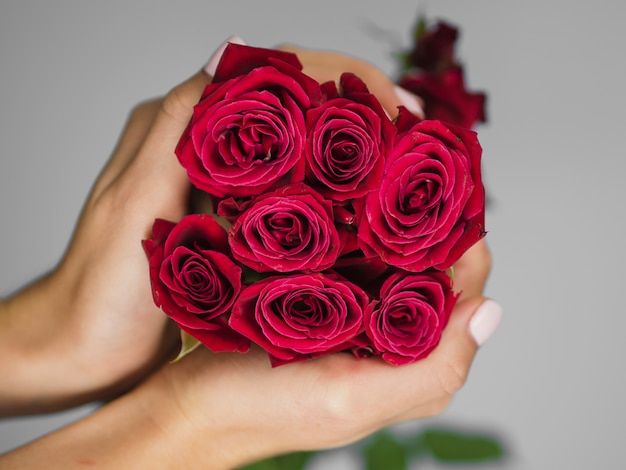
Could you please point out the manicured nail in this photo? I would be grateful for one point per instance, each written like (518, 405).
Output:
(409, 100)
(211, 65)
(485, 321)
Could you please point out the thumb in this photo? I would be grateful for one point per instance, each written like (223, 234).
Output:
(156, 179)
(472, 322)
(425, 387)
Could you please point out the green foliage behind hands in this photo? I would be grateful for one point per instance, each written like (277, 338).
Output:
(386, 451)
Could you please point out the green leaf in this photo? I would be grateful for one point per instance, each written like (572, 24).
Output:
(453, 446)
(385, 453)
(292, 461)
(250, 276)
(420, 29)
(188, 344)
(268, 464)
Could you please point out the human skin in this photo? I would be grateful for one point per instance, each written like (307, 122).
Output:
(68, 338)
(219, 411)
(89, 330)
(84, 333)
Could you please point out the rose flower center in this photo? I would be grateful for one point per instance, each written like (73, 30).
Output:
(421, 197)
(286, 229)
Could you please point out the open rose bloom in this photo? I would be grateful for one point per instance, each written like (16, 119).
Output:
(337, 225)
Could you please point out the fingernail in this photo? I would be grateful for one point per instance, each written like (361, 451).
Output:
(409, 100)
(211, 65)
(485, 321)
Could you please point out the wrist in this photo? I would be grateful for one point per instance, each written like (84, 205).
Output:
(185, 443)
(44, 353)
(31, 351)
(129, 432)
(199, 401)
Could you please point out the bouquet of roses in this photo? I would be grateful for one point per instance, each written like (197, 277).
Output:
(334, 227)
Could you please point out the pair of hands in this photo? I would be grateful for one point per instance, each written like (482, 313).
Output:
(95, 333)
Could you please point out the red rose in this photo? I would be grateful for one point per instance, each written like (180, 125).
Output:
(194, 280)
(430, 206)
(348, 138)
(290, 229)
(446, 98)
(406, 323)
(247, 132)
(361, 347)
(434, 48)
(300, 316)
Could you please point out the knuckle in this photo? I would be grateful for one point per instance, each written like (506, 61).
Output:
(337, 403)
(144, 108)
(436, 407)
(452, 376)
(176, 104)
(338, 406)
(116, 198)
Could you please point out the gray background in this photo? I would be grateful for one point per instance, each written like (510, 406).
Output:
(550, 382)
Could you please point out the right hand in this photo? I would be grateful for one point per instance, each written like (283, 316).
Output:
(233, 408)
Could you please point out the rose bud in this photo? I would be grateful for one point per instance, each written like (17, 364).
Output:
(405, 325)
(194, 280)
(431, 204)
(434, 47)
(446, 97)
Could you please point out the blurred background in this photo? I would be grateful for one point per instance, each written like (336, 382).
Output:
(549, 384)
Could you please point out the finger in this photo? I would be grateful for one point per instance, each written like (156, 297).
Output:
(153, 178)
(155, 174)
(410, 101)
(327, 65)
(211, 65)
(144, 156)
(333, 61)
(142, 118)
(438, 377)
(472, 271)
(139, 122)
(426, 386)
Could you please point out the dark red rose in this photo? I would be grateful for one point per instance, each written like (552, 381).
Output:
(446, 97)
(431, 204)
(405, 325)
(361, 347)
(434, 48)
(348, 138)
(300, 316)
(290, 229)
(367, 273)
(194, 281)
(247, 132)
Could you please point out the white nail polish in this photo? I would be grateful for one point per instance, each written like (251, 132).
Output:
(485, 321)
(409, 100)
(211, 65)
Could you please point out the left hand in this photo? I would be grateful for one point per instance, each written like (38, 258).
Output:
(89, 330)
